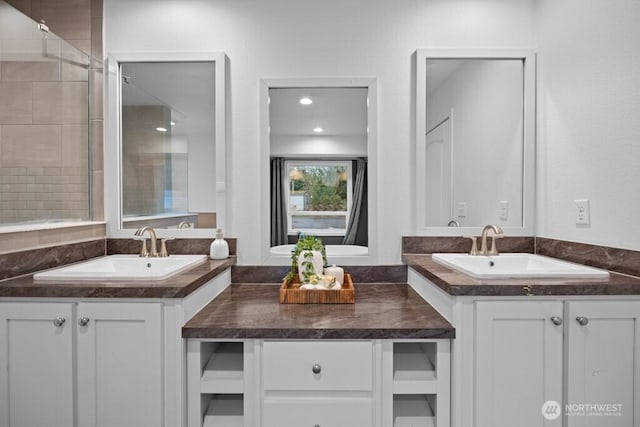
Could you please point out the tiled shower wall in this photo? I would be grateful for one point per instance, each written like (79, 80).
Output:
(57, 108)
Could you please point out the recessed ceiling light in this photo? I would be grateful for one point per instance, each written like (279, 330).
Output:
(318, 130)
(161, 129)
(306, 101)
(172, 123)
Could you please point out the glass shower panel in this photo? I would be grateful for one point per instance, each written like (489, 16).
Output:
(44, 124)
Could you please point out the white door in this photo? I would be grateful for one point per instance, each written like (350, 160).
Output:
(603, 363)
(36, 365)
(438, 209)
(119, 364)
(518, 362)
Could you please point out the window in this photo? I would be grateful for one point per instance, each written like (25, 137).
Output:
(319, 196)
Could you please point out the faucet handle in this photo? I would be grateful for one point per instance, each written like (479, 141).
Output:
(163, 247)
(474, 245)
(144, 252)
(494, 250)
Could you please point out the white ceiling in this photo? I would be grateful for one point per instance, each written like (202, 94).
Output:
(339, 111)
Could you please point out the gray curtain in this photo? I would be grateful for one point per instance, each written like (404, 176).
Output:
(357, 227)
(279, 227)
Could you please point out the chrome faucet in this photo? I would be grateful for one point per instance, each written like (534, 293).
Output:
(152, 234)
(184, 224)
(498, 233)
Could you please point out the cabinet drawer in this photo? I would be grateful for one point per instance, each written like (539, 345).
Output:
(323, 412)
(344, 366)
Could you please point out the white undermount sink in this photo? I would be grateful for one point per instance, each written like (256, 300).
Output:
(517, 266)
(122, 267)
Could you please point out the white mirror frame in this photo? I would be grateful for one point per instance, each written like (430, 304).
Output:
(372, 163)
(112, 146)
(528, 170)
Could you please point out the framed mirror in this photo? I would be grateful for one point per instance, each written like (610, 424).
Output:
(167, 143)
(318, 151)
(474, 141)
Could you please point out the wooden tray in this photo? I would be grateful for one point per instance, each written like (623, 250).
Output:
(290, 293)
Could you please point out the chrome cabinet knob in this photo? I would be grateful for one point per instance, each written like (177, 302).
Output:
(582, 321)
(316, 368)
(317, 425)
(556, 320)
(83, 321)
(59, 321)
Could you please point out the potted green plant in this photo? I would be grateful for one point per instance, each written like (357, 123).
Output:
(307, 258)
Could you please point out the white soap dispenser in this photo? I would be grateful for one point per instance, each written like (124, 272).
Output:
(219, 247)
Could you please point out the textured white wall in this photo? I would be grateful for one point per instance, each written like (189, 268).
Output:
(589, 120)
(331, 38)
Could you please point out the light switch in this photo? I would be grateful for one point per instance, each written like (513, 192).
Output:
(461, 209)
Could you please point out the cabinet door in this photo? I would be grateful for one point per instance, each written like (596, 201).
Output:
(603, 363)
(36, 365)
(119, 364)
(518, 362)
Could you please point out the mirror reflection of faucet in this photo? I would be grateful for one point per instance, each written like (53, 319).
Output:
(453, 223)
(498, 233)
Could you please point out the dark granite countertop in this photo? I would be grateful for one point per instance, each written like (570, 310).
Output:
(459, 284)
(178, 286)
(381, 311)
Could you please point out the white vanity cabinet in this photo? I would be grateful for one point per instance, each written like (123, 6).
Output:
(317, 383)
(512, 354)
(36, 364)
(602, 345)
(119, 362)
(113, 349)
(89, 362)
(326, 383)
(520, 355)
(518, 361)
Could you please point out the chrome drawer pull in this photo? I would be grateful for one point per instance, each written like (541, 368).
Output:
(83, 321)
(582, 321)
(556, 320)
(59, 321)
(316, 369)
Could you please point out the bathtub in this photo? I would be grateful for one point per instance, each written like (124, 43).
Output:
(332, 250)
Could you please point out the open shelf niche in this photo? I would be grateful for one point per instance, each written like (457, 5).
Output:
(421, 383)
(224, 410)
(216, 373)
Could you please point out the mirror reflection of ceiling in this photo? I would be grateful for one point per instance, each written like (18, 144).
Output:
(338, 111)
(439, 71)
(190, 96)
(332, 123)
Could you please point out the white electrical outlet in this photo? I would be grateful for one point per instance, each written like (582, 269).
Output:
(461, 209)
(504, 210)
(583, 216)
